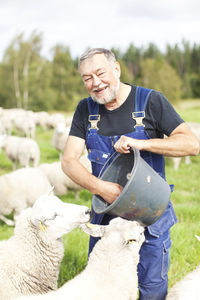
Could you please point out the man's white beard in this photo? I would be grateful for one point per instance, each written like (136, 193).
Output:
(109, 98)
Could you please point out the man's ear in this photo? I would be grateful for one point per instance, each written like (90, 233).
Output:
(117, 69)
(93, 229)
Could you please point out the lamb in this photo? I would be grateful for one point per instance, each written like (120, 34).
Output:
(20, 150)
(60, 135)
(19, 189)
(187, 288)
(61, 182)
(30, 260)
(111, 272)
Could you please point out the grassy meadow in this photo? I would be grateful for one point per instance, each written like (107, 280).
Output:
(185, 251)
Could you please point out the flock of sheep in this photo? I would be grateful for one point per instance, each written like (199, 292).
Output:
(31, 258)
(30, 179)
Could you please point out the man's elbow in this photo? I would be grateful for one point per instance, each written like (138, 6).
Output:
(196, 148)
(65, 162)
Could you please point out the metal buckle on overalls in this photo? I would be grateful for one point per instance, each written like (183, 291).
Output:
(138, 116)
(94, 121)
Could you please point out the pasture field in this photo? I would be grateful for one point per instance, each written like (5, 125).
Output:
(185, 251)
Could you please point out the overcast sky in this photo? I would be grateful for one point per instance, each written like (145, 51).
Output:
(103, 23)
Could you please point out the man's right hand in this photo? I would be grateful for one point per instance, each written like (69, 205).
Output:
(109, 191)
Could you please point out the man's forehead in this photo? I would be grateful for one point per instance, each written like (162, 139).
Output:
(93, 64)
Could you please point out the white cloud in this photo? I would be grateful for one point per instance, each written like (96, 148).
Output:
(106, 23)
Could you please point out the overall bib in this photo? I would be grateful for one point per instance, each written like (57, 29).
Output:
(154, 253)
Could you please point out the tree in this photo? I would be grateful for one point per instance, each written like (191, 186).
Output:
(132, 58)
(66, 80)
(23, 58)
(126, 75)
(6, 88)
(152, 51)
(159, 75)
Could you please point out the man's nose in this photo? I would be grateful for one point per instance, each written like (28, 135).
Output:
(96, 80)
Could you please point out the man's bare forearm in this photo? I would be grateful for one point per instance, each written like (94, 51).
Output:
(181, 142)
(78, 173)
(172, 146)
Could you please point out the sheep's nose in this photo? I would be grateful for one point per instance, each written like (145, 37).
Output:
(87, 212)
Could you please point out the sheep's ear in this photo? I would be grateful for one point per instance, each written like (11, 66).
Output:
(198, 238)
(93, 229)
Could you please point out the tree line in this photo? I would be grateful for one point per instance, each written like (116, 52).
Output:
(30, 81)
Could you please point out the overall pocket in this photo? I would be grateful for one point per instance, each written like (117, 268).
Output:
(98, 159)
(165, 260)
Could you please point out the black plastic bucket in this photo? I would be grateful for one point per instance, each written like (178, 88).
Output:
(145, 193)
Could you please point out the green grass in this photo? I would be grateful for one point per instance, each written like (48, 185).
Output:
(75, 258)
(189, 110)
(185, 251)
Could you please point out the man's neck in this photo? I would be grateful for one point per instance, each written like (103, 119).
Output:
(124, 91)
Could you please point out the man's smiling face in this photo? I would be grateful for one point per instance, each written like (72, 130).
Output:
(101, 78)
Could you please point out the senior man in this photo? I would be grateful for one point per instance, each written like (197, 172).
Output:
(108, 122)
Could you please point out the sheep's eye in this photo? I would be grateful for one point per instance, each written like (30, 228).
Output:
(131, 241)
(55, 215)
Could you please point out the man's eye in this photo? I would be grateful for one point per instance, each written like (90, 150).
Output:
(87, 79)
(101, 74)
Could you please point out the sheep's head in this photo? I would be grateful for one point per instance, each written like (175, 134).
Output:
(50, 214)
(61, 128)
(124, 232)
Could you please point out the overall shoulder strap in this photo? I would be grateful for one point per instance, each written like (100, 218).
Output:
(93, 106)
(141, 98)
(94, 116)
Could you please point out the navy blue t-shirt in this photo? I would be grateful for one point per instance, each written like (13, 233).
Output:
(160, 117)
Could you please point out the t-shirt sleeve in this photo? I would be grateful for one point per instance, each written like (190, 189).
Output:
(80, 120)
(163, 114)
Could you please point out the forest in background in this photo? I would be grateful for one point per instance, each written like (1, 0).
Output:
(30, 81)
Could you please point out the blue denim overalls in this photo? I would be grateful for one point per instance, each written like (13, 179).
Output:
(154, 254)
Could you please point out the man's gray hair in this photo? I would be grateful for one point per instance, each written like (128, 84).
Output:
(91, 52)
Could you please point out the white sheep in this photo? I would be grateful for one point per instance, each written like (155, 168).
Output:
(69, 120)
(19, 189)
(195, 128)
(30, 260)
(20, 150)
(61, 182)
(188, 288)
(59, 138)
(54, 119)
(25, 125)
(177, 161)
(6, 124)
(111, 273)
(42, 119)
